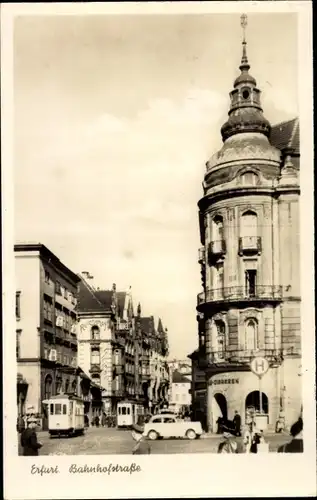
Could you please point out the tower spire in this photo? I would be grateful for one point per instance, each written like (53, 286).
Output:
(244, 60)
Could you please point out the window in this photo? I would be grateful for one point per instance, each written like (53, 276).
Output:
(65, 360)
(250, 282)
(95, 333)
(219, 278)
(217, 228)
(221, 331)
(251, 334)
(58, 385)
(52, 408)
(48, 387)
(62, 289)
(168, 420)
(158, 419)
(18, 344)
(95, 356)
(66, 293)
(64, 410)
(58, 288)
(66, 386)
(59, 357)
(47, 277)
(124, 410)
(58, 409)
(18, 305)
(249, 225)
(249, 179)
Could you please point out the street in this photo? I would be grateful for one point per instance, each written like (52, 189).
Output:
(103, 441)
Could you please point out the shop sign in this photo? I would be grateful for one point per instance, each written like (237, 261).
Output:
(225, 381)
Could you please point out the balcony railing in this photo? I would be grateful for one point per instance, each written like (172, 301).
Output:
(201, 255)
(240, 293)
(217, 248)
(241, 357)
(250, 245)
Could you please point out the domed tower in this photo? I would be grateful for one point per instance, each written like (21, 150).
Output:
(249, 273)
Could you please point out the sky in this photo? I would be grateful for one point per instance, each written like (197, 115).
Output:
(115, 118)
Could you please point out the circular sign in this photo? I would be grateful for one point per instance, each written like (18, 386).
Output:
(259, 366)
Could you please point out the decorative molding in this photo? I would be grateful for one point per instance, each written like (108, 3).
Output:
(92, 323)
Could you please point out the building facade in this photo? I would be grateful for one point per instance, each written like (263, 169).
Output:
(180, 394)
(46, 343)
(198, 390)
(116, 347)
(249, 227)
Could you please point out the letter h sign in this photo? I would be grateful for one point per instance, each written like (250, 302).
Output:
(259, 366)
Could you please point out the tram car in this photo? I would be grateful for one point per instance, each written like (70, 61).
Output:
(65, 415)
(128, 413)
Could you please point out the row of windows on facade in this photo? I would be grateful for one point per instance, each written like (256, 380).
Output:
(59, 386)
(251, 336)
(248, 226)
(62, 319)
(180, 397)
(59, 357)
(60, 289)
(250, 278)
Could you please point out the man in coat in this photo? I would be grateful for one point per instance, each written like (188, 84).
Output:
(29, 440)
(142, 446)
(296, 444)
(237, 423)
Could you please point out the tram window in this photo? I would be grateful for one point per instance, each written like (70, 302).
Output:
(119, 410)
(52, 408)
(64, 409)
(58, 409)
(128, 411)
(124, 410)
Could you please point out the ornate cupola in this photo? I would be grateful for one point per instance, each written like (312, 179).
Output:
(245, 114)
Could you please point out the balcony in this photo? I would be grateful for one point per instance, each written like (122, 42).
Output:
(95, 368)
(201, 255)
(259, 293)
(216, 249)
(250, 245)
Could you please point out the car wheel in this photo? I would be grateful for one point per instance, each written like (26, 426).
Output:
(191, 434)
(153, 435)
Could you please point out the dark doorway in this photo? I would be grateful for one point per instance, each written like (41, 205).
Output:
(222, 403)
(250, 282)
(253, 401)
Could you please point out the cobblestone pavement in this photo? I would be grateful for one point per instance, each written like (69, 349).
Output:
(104, 441)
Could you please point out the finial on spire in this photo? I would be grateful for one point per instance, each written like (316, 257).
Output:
(244, 61)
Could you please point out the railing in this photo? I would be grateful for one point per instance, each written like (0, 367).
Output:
(201, 255)
(244, 356)
(217, 247)
(240, 293)
(250, 244)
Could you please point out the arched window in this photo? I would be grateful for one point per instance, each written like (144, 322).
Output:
(249, 179)
(66, 386)
(249, 224)
(217, 228)
(95, 333)
(251, 334)
(48, 387)
(58, 385)
(221, 340)
(74, 387)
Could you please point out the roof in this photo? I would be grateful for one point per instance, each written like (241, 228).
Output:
(87, 299)
(105, 297)
(48, 255)
(179, 378)
(286, 135)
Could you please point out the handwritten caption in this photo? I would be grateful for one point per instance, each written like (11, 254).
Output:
(87, 469)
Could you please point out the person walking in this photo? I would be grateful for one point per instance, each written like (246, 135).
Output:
(142, 446)
(237, 423)
(229, 444)
(29, 441)
(296, 445)
(248, 437)
(104, 420)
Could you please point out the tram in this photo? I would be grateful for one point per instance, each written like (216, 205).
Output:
(65, 415)
(128, 413)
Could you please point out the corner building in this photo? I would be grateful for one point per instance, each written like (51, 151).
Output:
(249, 227)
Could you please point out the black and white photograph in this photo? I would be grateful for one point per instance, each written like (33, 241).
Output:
(157, 171)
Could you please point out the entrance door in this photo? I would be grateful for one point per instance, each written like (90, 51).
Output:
(219, 409)
(253, 401)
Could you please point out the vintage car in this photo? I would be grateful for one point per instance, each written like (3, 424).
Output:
(167, 426)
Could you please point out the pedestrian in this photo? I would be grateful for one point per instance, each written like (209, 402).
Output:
(248, 437)
(237, 423)
(296, 445)
(263, 446)
(29, 441)
(97, 421)
(104, 420)
(219, 425)
(142, 446)
(21, 424)
(229, 444)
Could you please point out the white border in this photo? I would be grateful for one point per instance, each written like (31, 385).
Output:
(168, 475)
